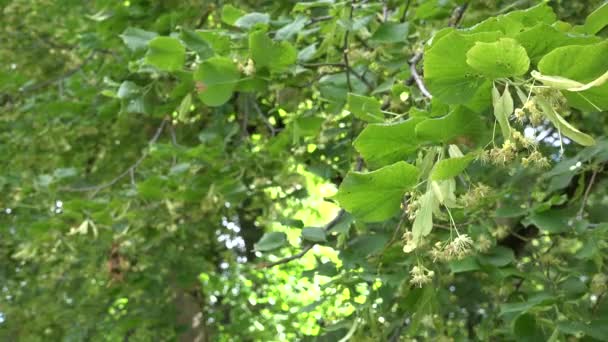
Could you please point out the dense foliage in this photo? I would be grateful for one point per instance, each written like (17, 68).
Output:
(320, 170)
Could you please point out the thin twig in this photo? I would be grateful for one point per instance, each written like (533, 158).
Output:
(362, 78)
(587, 192)
(345, 49)
(305, 250)
(457, 15)
(69, 73)
(455, 19)
(273, 130)
(417, 78)
(404, 14)
(315, 65)
(319, 19)
(97, 188)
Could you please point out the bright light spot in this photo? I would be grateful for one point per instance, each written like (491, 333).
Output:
(530, 132)
(404, 96)
(224, 265)
(381, 319)
(583, 278)
(452, 288)
(59, 204)
(593, 298)
(8, 211)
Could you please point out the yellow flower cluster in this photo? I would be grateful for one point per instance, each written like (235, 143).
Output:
(536, 159)
(475, 195)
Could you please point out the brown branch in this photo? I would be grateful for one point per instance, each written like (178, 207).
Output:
(455, 19)
(128, 171)
(319, 19)
(416, 76)
(329, 226)
(587, 192)
(457, 15)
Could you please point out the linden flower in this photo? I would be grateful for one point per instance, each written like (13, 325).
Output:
(483, 243)
(460, 246)
(249, 69)
(421, 275)
(520, 115)
(408, 242)
(523, 141)
(501, 232)
(537, 159)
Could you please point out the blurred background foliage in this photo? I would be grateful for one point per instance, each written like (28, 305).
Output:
(135, 202)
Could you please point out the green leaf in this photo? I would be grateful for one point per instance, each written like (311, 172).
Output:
(553, 221)
(166, 53)
(539, 299)
(251, 19)
(446, 72)
(231, 14)
(288, 31)
(383, 144)
(390, 32)
(503, 108)
(562, 83)
(365, 108)
(526, 329)
(562, 125)
(514, 22)
(467, 264)
(423, 223)
(218, 77)
(128, 90)
(597, 20)
(504, 58)
(137, 39)
(314, 234)
(542, 38)
(499, 256)
(184, 108)
(266, 53)
(196, 43)
(460, 124)
(377, 195)
(451, 167)
(583, 64)
(271, 241)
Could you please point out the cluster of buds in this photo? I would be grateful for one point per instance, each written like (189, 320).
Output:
(535, 159)
(475, 195)
(529, 111)
(522, 140)
(483, 243)
(502, 155)
(557, 100)
(408, 242)
(421, 275)
(457, 249)
(501, 232)
(412, 206)
(247, 69)
(599, 283)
